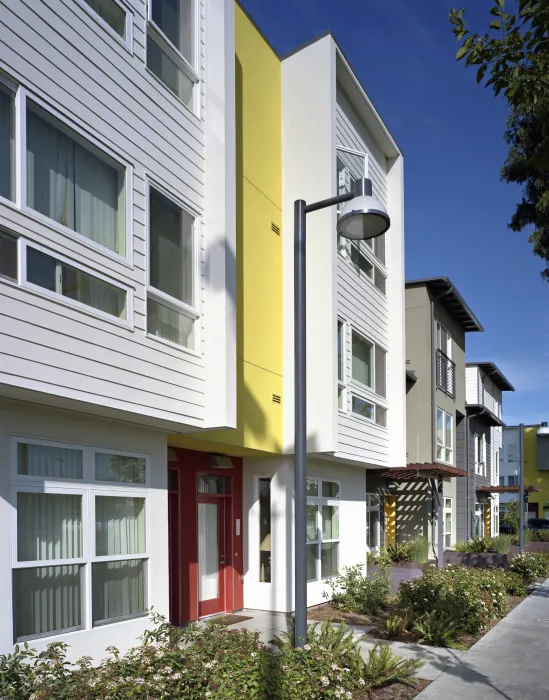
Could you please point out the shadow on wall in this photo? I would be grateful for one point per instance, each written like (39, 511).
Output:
(414, 510)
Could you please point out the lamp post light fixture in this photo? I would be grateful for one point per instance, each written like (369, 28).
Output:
(363, 217)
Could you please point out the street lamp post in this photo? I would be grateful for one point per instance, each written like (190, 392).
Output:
(362, 217)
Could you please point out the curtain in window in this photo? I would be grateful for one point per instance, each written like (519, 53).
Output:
(175, 19)
(89, 290)
(118, 589)
(208, 551)
(53, 462)
(362, 360)
(49, 526)
(381, 371)
(119, 525)
(6, 146)
(169, 324)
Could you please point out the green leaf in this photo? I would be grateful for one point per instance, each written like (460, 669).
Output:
(501, 3)
(496, 24)
(480, 73)
(461, 53)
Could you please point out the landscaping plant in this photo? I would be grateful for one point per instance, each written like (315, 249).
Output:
(476, 545)
(531, 565)
(419, 549)
(396, 625)
(541, 536)
(398, 552)
(439, 630)
(501, 543)
(383, 668)
(356, 592)
(515, 584)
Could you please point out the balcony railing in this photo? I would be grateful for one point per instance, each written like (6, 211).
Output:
(446, 374)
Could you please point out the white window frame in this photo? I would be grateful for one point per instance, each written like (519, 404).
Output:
(320, 501)
(257, 536)
(357, 384)
(480, 454)
(374, 420)
(342, 383)
(87, 487)
(12, 87)
(448, 509)
(192, 312)
(440, 331)
(372, 509)
(59, 298)
(191, 71)
(443, 444)
(127, 40)
(13, 280)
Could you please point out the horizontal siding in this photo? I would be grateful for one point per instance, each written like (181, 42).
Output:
(60, 53)
(471, 385)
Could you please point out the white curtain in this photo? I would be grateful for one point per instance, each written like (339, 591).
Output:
(118, 589)
(119, 525)
(169, 324)
(6, 144)
(110, 467)
(42, 460)
(208, 551)
(89, 290)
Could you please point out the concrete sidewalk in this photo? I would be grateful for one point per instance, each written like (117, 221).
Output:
(511, 662)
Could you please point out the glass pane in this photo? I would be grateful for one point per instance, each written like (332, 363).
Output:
(112, 13)
(208, 551)
(440, 430)
(164, 322)
(350, 167)
(379, 250)
(361, 261)
(8, 251)
(330, 489)
(41, 270)
(447, 541)
(176, 20)
(339, 350)
(328, 559)
(71, 184)
(440, 452)
(265, 530)
(381, 416)
(6, 143)
(341, 398)
(380, 281)
(49, 526)
(119, 525)
(312, 487)
(109, 467)
(47, 599)
(448, 522)
(447, 502)
(312, 523)
(312, 555)
(210, 483)
(167, 71)
(381, 371)
(449, 455)
(118, 589)
(362, 407)
(50, 462)
(173, 480)
(330, 522)
(373, 529)
(362, 360)
(448, 430)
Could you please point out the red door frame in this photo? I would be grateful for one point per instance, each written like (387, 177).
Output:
(183, 535)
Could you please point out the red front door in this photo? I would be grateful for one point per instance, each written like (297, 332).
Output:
(213, 554)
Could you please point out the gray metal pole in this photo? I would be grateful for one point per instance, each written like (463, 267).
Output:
(521, 494)
(300, 459)
(440, 522)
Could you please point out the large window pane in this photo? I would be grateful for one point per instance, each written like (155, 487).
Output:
(312, 523)
(330, 489)
(6, 143)
(175, 18)
(70, 282)
(111, 13)
(265, 530)
(362, 408)
(330, 522)
(362, 360)
(118, 589)
(71, 184)
(167, 70)
(49, 526)
(381, 416)
(109, 467)
(328, 559)
(211, 483)
(312, 487)
(340, 351)
(380, 281)
(312, 557)
(381, 371)
(8, 254)
(448, 431)
(47, 600)
(165, 322)
(119, 525)
(361, 261)
(379, 248)
(49, 462)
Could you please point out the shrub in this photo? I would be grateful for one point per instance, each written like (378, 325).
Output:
(440, 630)
(398, 552)
(472, 596)
(396, 625)
(501, 543)
(475, 545)
(419, 549)
(511, 516)
(514, 583)
(541, 536)
(383, 668)
(531, 565)
(353, 591)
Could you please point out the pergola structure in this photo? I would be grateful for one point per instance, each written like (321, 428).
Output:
(435, 474)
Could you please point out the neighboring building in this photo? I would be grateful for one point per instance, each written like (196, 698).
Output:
(437, 321)
(146, 292)
(536, 467)
(478, 494)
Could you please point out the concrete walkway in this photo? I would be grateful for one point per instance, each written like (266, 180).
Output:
(511, 662)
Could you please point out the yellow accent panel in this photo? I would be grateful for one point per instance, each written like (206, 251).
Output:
(488, 519)
(258, 80)
(533, 477)
(390, 512)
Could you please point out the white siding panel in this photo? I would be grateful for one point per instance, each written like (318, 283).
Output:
(472, 395)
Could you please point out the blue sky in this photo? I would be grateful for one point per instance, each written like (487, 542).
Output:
(451, 132)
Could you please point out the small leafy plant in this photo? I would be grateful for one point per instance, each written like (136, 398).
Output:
(383, 668)
(419, 549)
(396, 625)
(531, 565)
(398, 552)
(501, 543)
(438, 630)
(358, 592)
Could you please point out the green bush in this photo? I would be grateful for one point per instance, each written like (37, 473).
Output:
(398, 552)
(383, 668)
(502, 543)
(476, 545)
(396, 625)
(353, 591)
(541, 536)
(419, 549)
(440, 630)
(472, 596)
(511, 516)
(531, 565)
(514, 583)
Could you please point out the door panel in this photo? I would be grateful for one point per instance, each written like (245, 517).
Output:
(211, 555)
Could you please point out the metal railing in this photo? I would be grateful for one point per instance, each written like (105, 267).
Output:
(446, 374)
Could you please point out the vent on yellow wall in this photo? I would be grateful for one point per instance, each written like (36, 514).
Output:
(275, 228)
(277, 398)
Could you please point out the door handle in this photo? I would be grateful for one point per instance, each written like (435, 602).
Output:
(222, 559)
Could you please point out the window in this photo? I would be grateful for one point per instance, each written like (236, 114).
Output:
(502, 481)
(73, 183)
(77, 547)
(368, 365)
(171, 46)
(264, 489)
(322, 529)
(341, 372)
(170, 312)
(8, 256)
(6, 143)
(495, 517)
(445, 437)
(495, 476)
(369, 410)
(373, 520)
(444, 340)
(73, 283)
(111, 13)
(513, 480)
(447, 523)
(480, 454)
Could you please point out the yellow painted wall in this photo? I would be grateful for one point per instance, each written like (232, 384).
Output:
(533, 477)
(259, 252)
(488, 519)
(390, 512)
